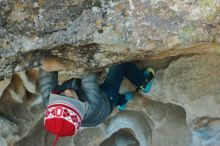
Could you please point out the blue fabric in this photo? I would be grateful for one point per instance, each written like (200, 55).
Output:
(145, 72)
(128, 96)
(48, 80)
(114, 79)
(149, 74)
(100, 105)
(147, 88)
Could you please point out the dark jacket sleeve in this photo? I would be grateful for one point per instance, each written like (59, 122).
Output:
(48, 80)
(71, 84)
(98, 105)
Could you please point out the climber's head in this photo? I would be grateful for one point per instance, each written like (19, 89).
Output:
(64, 113)
(65, 91)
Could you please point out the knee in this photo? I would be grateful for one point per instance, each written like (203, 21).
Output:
(117, 67)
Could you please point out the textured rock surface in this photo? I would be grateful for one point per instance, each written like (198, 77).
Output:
(108, 31)
(192, 82)
(153, 119)
(180, 38)
(20, 106)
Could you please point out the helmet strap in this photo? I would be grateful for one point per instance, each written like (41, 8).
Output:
(55, 141)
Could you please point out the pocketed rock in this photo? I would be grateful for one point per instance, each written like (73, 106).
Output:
(180, 39)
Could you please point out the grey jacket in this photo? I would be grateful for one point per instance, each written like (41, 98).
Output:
(99, 107)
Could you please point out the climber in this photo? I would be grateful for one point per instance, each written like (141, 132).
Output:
(83, 102)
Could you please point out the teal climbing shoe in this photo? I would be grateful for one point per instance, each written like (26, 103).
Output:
(128, 97)
(149, 74)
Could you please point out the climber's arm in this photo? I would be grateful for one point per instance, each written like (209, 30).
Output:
(48, 80)
(99, 107)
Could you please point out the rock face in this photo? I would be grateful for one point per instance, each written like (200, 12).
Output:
(180, 39)
(20, 106)
(181, 109)
(96, 33)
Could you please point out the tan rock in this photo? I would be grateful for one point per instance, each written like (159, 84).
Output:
(52, 64)
(3, 85)
(179, 38)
